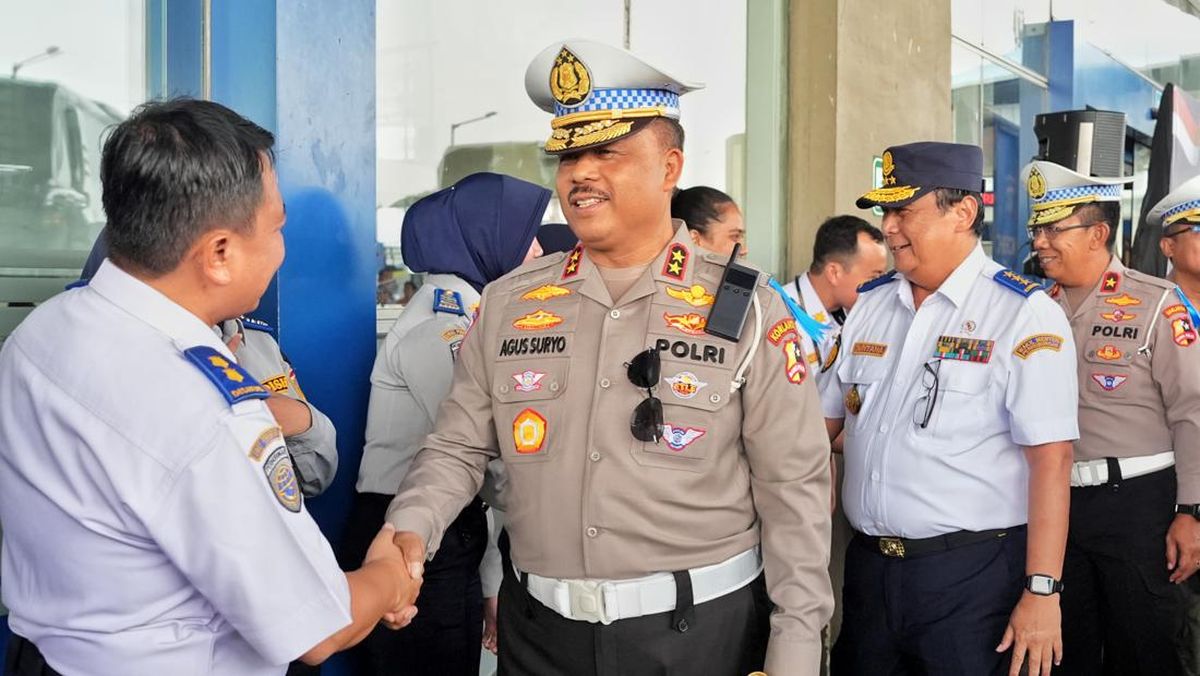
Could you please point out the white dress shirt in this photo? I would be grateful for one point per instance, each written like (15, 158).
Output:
(801, 290)
(965, 470)
(151, 526)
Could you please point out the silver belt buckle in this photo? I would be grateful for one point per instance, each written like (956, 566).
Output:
(587, 601)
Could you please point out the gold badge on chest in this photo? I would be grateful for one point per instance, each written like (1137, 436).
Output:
(853, 400)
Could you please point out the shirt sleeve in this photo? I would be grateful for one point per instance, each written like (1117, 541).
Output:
(315, 453)
(829, 385)
(790, 485)
(490, 571)
(1175, 366)
(412, 376)
(234, 524)
(1042, 393)
(449, 470)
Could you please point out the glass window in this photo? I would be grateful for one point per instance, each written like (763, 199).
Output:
(1158, 38)
(71, 69)
(1002, 27)
(452, 102)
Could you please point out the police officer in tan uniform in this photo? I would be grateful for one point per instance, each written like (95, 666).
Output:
(653, 494)
(1178, 214)
(1135, 483)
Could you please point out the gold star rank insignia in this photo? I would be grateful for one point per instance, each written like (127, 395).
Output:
(676, 262)
(571, 268)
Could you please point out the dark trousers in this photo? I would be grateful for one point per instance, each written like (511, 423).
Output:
(446, 637)
(726, 636)
(1121, 614)
(22, 658)
(942, 613)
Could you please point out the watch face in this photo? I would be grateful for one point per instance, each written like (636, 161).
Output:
(1041, 584)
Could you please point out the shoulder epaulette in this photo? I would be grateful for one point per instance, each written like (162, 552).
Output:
(450, 302)
(1017, 283)
(256, 324)
(722, 261)
(538, 264)
(1158, 282)
(230, 379)
(885, 278)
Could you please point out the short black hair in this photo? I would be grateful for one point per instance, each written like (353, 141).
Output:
(699, 206)
(948, 197)
(670, 132)
(837, 240)
(1107, 212)
(174, 170)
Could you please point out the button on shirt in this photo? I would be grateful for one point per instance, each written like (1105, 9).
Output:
(1005, 379)
(143, 534)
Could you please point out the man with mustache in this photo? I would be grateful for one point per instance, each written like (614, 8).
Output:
(1135, 484)
(666, 485)
(955, 386)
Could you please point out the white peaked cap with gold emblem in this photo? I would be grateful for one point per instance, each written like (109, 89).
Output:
(1181, 205)
(599, 93)
(1055, 191)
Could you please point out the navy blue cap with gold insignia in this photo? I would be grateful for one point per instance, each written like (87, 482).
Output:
(914, 169)
(599, 93)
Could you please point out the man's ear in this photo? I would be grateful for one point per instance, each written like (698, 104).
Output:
(214, 253)
(1099, 235)
(1167, 246)
(673, 164)
(966, 210)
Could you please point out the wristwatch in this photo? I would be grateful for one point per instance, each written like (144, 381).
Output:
(1193, 510)
(1043, 585)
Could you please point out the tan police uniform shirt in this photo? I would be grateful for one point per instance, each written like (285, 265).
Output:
(541, 382)
(1139, 373)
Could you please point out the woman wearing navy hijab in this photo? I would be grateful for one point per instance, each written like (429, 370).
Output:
(464, 237)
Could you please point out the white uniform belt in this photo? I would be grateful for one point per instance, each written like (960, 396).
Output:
(1095, 472)
(606, 601)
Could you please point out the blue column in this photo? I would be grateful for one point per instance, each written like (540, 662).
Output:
(305, 69)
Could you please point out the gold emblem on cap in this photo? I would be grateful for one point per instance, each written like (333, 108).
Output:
(570, 81)
(888, 165)
(1036, 185)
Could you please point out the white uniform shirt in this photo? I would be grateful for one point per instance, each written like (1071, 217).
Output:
(412, 375)
(801, 290)
(151, 527)
(965, 470)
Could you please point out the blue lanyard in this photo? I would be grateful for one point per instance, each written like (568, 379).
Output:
(1190, 308)
(815, 330)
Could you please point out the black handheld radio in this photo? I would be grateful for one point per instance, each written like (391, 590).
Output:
(732, 304)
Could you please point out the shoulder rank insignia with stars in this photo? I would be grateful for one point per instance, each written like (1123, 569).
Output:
(676, 263)
(256, 324)
(449, 302)
(1111, 282)
(571, 267)
(232, 380)
(1011, 280)
(889, 276)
